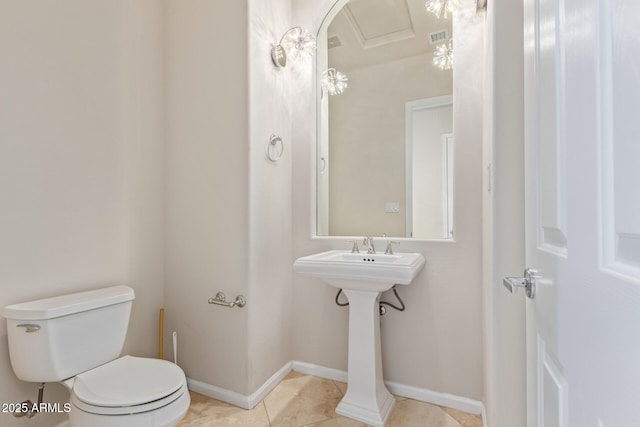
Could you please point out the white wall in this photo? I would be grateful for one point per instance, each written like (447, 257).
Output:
(228, 207)
(80, 162)
(270, 194)
(505, 334)
(207, 180)
(437, 342)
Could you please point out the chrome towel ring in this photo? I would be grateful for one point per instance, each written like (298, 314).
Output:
(275, 148)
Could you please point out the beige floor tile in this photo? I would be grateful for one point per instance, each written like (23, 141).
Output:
(341, 386)
(411, 413)
(465, 419)
(339, 421)
(205, 411)
(301, 400)
(294, 374)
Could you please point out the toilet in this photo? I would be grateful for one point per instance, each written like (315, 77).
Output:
(76, 340)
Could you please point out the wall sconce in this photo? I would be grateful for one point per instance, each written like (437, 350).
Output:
(296, 43)
(440, 7)
(334, 81)
(443, 56)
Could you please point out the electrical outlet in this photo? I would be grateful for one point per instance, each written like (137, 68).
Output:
(392, 207)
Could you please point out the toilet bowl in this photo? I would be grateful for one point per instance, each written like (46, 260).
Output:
(76, 339)
(129, 391)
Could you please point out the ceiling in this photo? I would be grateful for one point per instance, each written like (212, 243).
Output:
(370, 32)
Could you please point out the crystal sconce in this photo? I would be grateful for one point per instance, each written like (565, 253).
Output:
(296, 43)
(334, 81)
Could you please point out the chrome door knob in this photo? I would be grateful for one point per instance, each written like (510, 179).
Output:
(528, 282)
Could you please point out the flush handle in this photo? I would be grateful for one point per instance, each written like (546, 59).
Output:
(528, 282)
(29, 327)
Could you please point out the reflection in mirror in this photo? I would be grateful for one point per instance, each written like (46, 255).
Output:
(385, 143)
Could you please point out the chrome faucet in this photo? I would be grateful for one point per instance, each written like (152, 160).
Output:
(390, 244)
(368, 242)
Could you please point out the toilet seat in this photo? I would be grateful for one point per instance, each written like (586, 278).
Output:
(128, 385)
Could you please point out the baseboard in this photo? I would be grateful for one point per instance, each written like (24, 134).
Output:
(437, 398)
(248, 402)
(237, 399)
(219, 393)
(485, 422)
(319, 371)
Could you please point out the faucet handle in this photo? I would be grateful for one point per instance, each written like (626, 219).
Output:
(389, 250)
(368, 242)
(354, 248)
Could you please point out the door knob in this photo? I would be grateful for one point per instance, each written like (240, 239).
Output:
(528, 282)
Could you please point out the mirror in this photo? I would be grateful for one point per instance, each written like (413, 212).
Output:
(385, 144)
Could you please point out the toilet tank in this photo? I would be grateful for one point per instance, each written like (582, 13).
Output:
(57, 338)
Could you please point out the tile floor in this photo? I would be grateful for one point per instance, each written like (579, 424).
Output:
(304, 400)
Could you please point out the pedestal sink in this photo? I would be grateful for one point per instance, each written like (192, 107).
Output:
(362, 277)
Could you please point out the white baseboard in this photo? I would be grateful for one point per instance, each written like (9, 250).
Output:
(219, 393)
(248, 402)
(237, 399)
(485, 423)
(319, 371)
(437, 398)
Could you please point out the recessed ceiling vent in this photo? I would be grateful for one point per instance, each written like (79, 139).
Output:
(439, 36)
(334, 42)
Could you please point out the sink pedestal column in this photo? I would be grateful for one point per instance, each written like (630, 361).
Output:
(367, 399)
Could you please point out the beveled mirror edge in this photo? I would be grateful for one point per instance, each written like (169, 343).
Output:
(343, 239)
(321, 54)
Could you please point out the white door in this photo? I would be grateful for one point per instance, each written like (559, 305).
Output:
(582, 99)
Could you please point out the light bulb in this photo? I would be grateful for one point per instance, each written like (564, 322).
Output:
(334, 81)
(443, 56)
(299, 43)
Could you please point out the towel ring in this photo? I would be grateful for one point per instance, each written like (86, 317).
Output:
(273, 151)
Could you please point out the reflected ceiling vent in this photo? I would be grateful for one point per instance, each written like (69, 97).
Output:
(439, 36)
(334, 42)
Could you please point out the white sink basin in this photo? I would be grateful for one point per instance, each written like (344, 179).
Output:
(361, 271)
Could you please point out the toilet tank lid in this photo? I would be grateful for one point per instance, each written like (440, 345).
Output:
(64, 305)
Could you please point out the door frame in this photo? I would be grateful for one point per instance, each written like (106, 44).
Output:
(503, 214)
(410, 109)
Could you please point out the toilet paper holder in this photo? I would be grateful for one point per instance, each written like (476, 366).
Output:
(221, 299)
